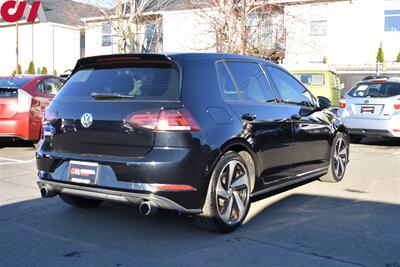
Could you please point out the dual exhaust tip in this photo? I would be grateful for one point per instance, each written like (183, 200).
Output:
(146, 208)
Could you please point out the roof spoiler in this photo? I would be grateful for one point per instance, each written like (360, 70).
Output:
(375, 77)
(89, 61)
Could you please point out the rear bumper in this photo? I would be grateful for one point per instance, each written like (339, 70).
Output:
(131, 180)
(17, 127)
(114, 195)
(369, 132)
(373, 127)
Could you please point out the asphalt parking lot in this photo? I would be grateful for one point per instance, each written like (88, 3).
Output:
(354, 223)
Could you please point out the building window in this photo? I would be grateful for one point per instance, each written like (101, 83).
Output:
(319, 27)
(266, 29)
(151, 37)
(83, 43)
(106, 38)
(392, 20)
(261, 29)
(149, 34)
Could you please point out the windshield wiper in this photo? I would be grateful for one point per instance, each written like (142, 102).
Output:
(105, 96)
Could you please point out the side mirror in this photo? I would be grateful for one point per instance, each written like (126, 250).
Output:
(324, 103)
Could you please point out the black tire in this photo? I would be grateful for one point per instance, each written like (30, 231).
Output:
(337, 159)
(3, 143)
(36, 144)
(80, 202)
(356, 139)
(211, 219)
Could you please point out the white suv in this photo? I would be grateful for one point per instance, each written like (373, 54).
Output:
(372, 108)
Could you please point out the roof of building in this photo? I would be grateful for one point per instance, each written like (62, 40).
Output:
(164, 5)
(69, 12)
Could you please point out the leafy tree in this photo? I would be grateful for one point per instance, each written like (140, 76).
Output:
(31, 68)
(55, 72)
(325, 60)
(17, 71)
(398, 57)
(44, 70)
(380, 57)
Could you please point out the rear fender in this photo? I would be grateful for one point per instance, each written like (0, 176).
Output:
(236, 145)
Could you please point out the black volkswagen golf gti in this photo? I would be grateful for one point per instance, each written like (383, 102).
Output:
(201, 134)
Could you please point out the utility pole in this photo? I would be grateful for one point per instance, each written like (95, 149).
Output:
(17, 41)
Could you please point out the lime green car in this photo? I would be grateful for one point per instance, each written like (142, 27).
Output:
(321, 83)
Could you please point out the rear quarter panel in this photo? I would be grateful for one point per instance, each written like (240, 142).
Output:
(40, 102)
(201, 96)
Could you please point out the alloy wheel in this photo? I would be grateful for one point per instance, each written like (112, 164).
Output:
(340, 157)
(232, 192)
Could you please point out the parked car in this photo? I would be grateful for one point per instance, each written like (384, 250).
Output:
(66, 74)
(23, 100)
(372, 108)
(375, 77)
(321, 82)
(196, 133)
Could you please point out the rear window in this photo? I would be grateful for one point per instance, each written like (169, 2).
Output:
(8, 93)
(375, 90)
(13, 82)
(311, 78)
(143, 83)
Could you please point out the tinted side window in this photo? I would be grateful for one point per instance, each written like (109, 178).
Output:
(226, 84)
(48, 86)
(290, 90)
(251, 82)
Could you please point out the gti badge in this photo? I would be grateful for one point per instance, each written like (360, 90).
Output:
(87, 120)
(366, 102)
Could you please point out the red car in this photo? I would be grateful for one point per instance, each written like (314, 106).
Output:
(23, 100)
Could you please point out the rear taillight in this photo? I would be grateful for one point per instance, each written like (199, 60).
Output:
(342, 103)
(24, 101)
(168, 120)
(397, 106)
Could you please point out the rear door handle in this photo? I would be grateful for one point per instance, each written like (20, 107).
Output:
(296, 117)
(249, 117)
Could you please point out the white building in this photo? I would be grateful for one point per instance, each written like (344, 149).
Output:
(54, 41)
(346, 32)
(180, 29)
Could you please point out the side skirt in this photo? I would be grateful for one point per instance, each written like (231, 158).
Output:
(284, 182)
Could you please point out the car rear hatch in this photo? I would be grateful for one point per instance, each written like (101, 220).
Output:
(373, 100)
(107, 105)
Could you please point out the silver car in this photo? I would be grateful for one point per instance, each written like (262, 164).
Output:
(372, 108)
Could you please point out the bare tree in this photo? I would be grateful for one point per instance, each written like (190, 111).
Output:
(129, 18)
(250, 27)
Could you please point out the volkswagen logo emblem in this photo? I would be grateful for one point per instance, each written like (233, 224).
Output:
(366, 101)
(87, 120)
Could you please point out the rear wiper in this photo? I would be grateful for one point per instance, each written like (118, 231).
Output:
(104, 96)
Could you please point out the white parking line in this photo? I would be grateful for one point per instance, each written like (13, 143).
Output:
(15, 161)
(8, 159)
